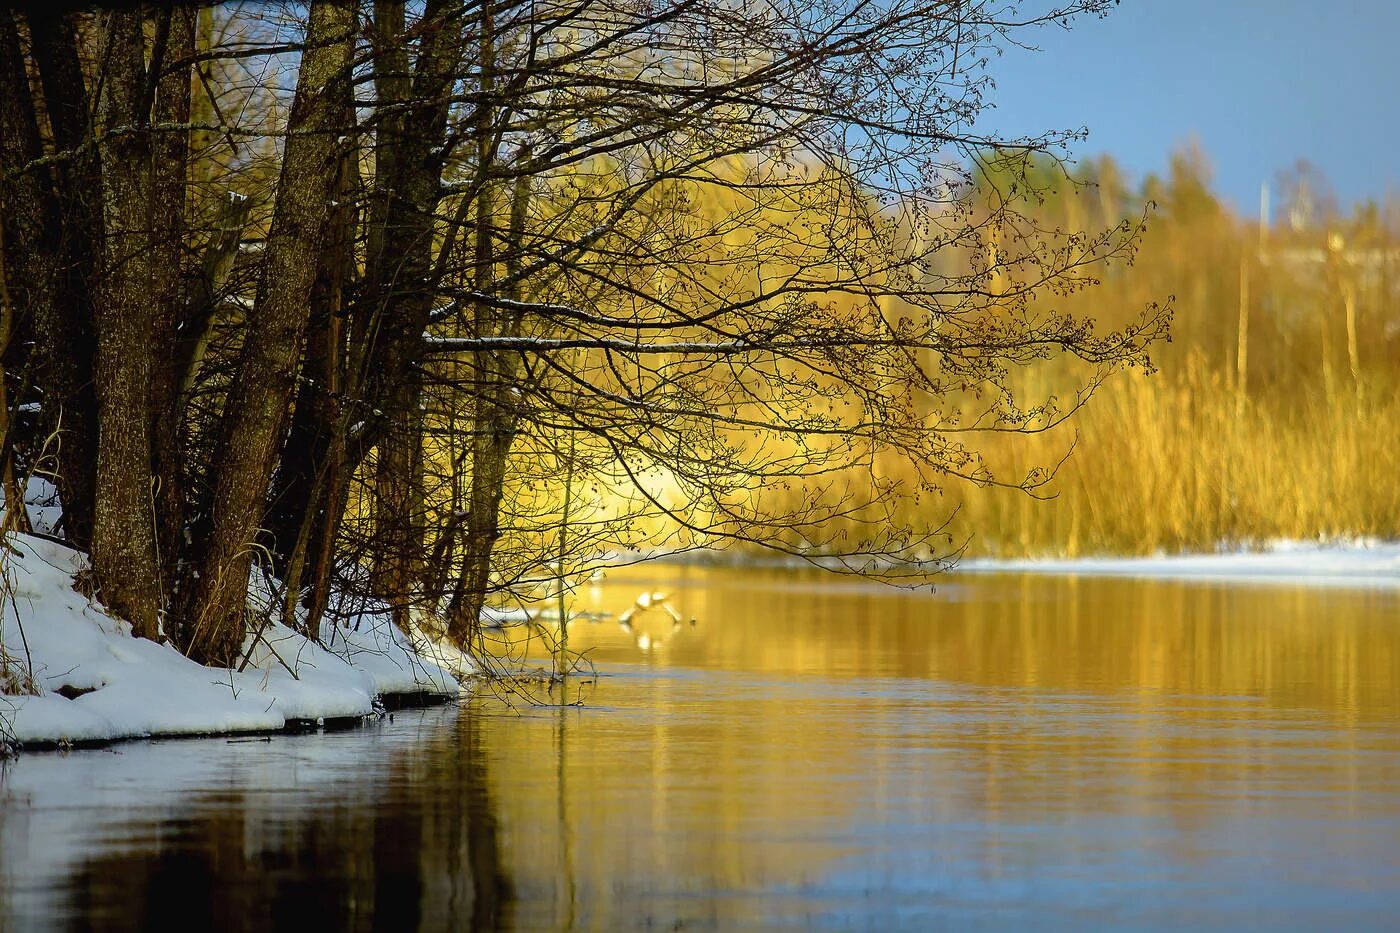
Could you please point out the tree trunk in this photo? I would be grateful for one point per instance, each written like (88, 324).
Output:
(375, 379)
(256, 411)
(495, 418)
(197, 323)
(16, 511)
(56, 233)
(398, 281)
(399, 508)
(170, 151)
(494, 432)
(124, 557)
(299, 493)
(307, 483)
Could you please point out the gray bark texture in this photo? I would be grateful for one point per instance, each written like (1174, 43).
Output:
(494, 375)
(170, 150)
(400, 268)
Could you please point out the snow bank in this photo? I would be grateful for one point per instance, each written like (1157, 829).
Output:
(95, 681)
(1360, 563)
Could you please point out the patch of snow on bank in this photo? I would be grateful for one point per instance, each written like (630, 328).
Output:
(123, 687)
(499, 616)
(40, 505)
(1363, 563)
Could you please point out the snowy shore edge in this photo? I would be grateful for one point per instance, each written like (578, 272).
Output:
(76, 676)
(1349, 563)
(1362, 563)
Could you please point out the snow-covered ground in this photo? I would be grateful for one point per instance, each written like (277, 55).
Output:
(92, 680)
(1358, 563)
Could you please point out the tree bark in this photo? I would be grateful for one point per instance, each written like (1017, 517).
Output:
(392, 314)
(399, 508)
(56, 230)
(491, 441)
(317, 422)
(170, 152)
(16, 510)
(307, 484)
(495, 418)
(124, 558)
(256, 410)
(197, 324)
(400, 272)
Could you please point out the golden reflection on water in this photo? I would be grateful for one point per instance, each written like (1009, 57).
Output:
(1333, 649)
(1007, 752)
(819, 749)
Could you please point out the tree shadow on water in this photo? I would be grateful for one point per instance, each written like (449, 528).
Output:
(416, 848)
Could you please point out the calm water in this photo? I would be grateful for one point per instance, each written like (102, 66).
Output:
(1009, 752)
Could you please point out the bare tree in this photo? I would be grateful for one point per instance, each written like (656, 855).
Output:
(255, 412)
(708, 262)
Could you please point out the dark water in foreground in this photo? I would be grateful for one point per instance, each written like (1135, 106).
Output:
(1011, 752)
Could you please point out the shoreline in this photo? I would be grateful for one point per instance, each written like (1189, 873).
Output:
(1350, 562)
(75, 676)
(293, 727)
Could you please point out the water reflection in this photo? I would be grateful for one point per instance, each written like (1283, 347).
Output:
(387, 828)
(1310, 646)
(1006, 752)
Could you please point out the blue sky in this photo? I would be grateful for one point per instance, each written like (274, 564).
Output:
(1260, 84)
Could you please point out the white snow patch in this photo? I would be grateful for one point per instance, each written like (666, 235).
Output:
(501, 616)
(40, 503)
(139, 688)
(1360, 563)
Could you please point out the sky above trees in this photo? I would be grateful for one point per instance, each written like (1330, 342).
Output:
(1259, 83)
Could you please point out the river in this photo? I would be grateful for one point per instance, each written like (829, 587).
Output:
(1007, 752)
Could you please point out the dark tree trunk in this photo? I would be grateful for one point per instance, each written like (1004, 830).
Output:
(124, 557)
(170, 152)
(402, 270)
(493, 432)
(392, 314)
(317, 422)
(384, 288)
(56, 306)
(300, 523)
(16, 513)
(256, 411)
(28, 213)
(492, 437)
(495, 418)
(399, 508)
(205, 285)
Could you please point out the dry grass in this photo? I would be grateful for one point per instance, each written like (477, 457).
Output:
(1178, 461)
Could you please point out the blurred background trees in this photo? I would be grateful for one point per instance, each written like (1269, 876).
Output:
(1273, 409)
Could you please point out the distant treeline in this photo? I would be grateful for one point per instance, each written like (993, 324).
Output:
(1273, 411)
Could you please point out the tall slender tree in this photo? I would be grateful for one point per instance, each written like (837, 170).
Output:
(215, 585)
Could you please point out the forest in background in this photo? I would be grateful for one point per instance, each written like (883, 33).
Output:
(1270, 413)
(1273, 412)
